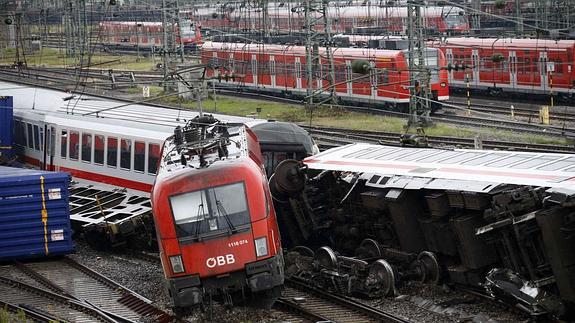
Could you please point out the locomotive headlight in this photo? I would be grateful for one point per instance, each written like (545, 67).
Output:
(177, 265)
(443, 84)
(261, 246)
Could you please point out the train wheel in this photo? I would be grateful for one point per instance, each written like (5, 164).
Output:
(287, 180)
(382, 275)
(430, 266)
(325, 257)
(368, 248)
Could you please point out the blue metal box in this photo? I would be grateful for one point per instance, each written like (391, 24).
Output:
(6, 125)
(34, 213)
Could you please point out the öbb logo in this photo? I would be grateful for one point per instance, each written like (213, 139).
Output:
(220, 261)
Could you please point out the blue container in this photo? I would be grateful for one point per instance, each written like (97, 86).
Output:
(6, 125)
(34, 214)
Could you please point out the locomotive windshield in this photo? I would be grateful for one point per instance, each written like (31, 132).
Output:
(212, 210)
(454, 20)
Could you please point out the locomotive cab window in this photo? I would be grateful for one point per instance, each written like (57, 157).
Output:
(212, 210)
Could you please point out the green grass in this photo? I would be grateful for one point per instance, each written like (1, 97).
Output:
(57, 58)
(339, 118)
(8, 317)
(324, 116)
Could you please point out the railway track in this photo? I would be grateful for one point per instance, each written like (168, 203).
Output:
(463, 120)
(64, 290)
(333, 137)
(318, 305)
(557, 115)
(350, 136)
(67, 77)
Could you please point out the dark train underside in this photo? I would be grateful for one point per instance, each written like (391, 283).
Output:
(517, 242)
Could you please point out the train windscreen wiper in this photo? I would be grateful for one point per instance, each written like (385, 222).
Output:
(222, 211)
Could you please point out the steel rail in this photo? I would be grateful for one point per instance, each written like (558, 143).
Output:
(337, 136)
(347, 302)
(284, 304)
(115, 300)
(40, 293)
(30, 312)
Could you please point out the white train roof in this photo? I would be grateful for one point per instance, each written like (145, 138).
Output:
(366, 53)
(64, 108)
(473, 170)
(353, 11)
(514, 43)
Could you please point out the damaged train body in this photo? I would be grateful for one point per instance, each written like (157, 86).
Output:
(500, 221)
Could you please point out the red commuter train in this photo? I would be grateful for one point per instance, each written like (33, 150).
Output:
(146, 35)
(215, 220)
(349, 18)
(281, 69)
(532, 66)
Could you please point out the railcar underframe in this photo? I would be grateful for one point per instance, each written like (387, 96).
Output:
(520, 238)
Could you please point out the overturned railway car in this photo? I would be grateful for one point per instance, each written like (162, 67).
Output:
(501, 220)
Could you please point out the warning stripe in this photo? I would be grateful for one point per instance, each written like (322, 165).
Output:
(44, 215)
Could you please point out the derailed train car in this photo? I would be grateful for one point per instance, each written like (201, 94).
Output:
(502, 221)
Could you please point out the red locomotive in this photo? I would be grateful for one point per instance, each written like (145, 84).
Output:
(534, 66)
(215, 221)
(382, 79)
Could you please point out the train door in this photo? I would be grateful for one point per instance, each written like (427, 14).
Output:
(273, 70)
(348, 77)
(320, 76)
(215, 65)
(475, 66)
(373, 80)
(513, 69)
(449, 56)
(49, 147)
(542, 64)
(231, 65)
(298, 73)
(255, 69)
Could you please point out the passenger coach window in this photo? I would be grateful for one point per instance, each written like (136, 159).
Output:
(30, 136)
(126, 154)
(74, 145)
(87, 147)
(41, 146)
(139, 156)
(36, 138)
(19, 135)
(99, 149)
(64, 144)
(153, 157)
(112, 152)
(210, 210)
